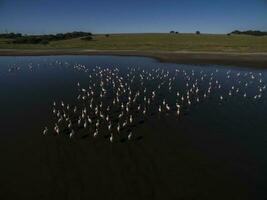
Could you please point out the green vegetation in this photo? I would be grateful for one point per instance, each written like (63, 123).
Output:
(18, 38)
(153, 41)
(10, 35)
(250, 32)
(88, 38)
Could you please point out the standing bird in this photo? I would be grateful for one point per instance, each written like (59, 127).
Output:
(111, 138)
(129, 135)
(45, 131)
(71, 133)
(96, 133)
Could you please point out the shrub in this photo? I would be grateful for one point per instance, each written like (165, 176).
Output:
(44, 42)
(88, 38)
(29, 40)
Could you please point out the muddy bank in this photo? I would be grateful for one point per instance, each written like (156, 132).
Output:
(255, 60)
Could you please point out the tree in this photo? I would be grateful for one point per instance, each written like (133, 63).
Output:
(172, 32)
(197, 32)
(236, 32)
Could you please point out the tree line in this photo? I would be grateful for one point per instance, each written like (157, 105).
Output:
(18, 38)
(249, 32)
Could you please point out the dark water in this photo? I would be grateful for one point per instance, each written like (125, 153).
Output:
(215, 150)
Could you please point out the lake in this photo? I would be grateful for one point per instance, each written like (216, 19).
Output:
(178, 131)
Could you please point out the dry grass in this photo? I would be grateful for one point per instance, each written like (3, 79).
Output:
(156, 41)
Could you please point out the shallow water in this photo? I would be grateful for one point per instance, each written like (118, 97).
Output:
(213, 147)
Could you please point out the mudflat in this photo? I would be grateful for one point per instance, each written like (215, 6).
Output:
(255, 60)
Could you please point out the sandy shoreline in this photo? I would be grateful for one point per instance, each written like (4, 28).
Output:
(255, 60)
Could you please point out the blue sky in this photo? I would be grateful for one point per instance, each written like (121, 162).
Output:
(119, 16)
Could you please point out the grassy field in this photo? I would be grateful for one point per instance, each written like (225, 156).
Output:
(156, 41)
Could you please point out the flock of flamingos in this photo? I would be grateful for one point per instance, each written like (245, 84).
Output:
(116, 99)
